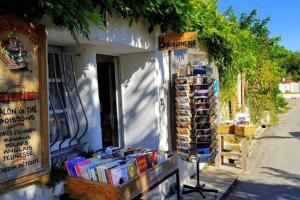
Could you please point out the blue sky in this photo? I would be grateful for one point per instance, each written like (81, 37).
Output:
(285, 17)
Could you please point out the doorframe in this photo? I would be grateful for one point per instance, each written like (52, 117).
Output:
(119, 104)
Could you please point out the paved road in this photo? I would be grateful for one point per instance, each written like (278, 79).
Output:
(275, 169)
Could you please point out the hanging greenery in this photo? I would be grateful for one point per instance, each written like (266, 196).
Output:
(74, 15)
(235, 45)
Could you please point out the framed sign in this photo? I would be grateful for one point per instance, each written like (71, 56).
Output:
(177, 41)
(24, 147)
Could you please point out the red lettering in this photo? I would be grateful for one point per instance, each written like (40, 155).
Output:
(24, 96)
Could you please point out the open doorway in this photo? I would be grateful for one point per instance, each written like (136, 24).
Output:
(107, 95)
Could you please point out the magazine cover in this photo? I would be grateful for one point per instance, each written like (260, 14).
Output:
(142, 163)
(119, 175)
(132, 168)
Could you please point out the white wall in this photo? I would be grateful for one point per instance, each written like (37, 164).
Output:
(118, 37)
(117, 31)
(86, 78)
(295, 87)
(142, 85)
(289, 87)
(285, 87)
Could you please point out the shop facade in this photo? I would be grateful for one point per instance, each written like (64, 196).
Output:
(113, 89)
(120, 68)
(122, 65)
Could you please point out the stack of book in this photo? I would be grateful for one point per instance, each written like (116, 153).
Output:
(115, 165)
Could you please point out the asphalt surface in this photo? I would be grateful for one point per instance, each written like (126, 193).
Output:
(275, 167)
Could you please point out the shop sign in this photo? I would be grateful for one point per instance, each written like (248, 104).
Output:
(23, 102)
(177, 41)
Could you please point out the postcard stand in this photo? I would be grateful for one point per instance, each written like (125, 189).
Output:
(197, 188)
(195, 120)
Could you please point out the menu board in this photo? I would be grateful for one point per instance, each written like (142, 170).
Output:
(23, 100)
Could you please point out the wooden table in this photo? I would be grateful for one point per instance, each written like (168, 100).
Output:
(136, 188)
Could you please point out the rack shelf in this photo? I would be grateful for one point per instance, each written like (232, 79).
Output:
(201, 107)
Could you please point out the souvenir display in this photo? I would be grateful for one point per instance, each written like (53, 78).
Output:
(195, 114)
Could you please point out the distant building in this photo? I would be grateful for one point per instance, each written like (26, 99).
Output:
(287, 85)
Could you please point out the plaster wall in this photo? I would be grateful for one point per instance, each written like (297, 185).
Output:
(118, 37)
(285, 87)
(143, 86)
(85, 64)
(295, 87)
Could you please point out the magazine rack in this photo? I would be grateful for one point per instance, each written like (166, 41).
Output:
(195, 116)
(195, 96)
(134, 189)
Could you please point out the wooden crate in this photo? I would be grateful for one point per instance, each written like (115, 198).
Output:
(245, 131)
(90, 190)
(225, 129)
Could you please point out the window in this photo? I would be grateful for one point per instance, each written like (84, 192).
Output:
(58, 117)
(67, 118)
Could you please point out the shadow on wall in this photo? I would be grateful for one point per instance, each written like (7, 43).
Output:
(274, 191)
(86, 80)
(139, 93)
(136, 35)
(117, 32)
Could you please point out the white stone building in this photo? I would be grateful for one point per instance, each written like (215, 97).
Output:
(110, 90)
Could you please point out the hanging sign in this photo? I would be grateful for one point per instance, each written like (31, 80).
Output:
(23, 102)
(177, 41)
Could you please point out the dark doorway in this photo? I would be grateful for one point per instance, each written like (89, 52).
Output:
(108, 109)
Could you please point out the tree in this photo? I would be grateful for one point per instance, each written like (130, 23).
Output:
(292, 66)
